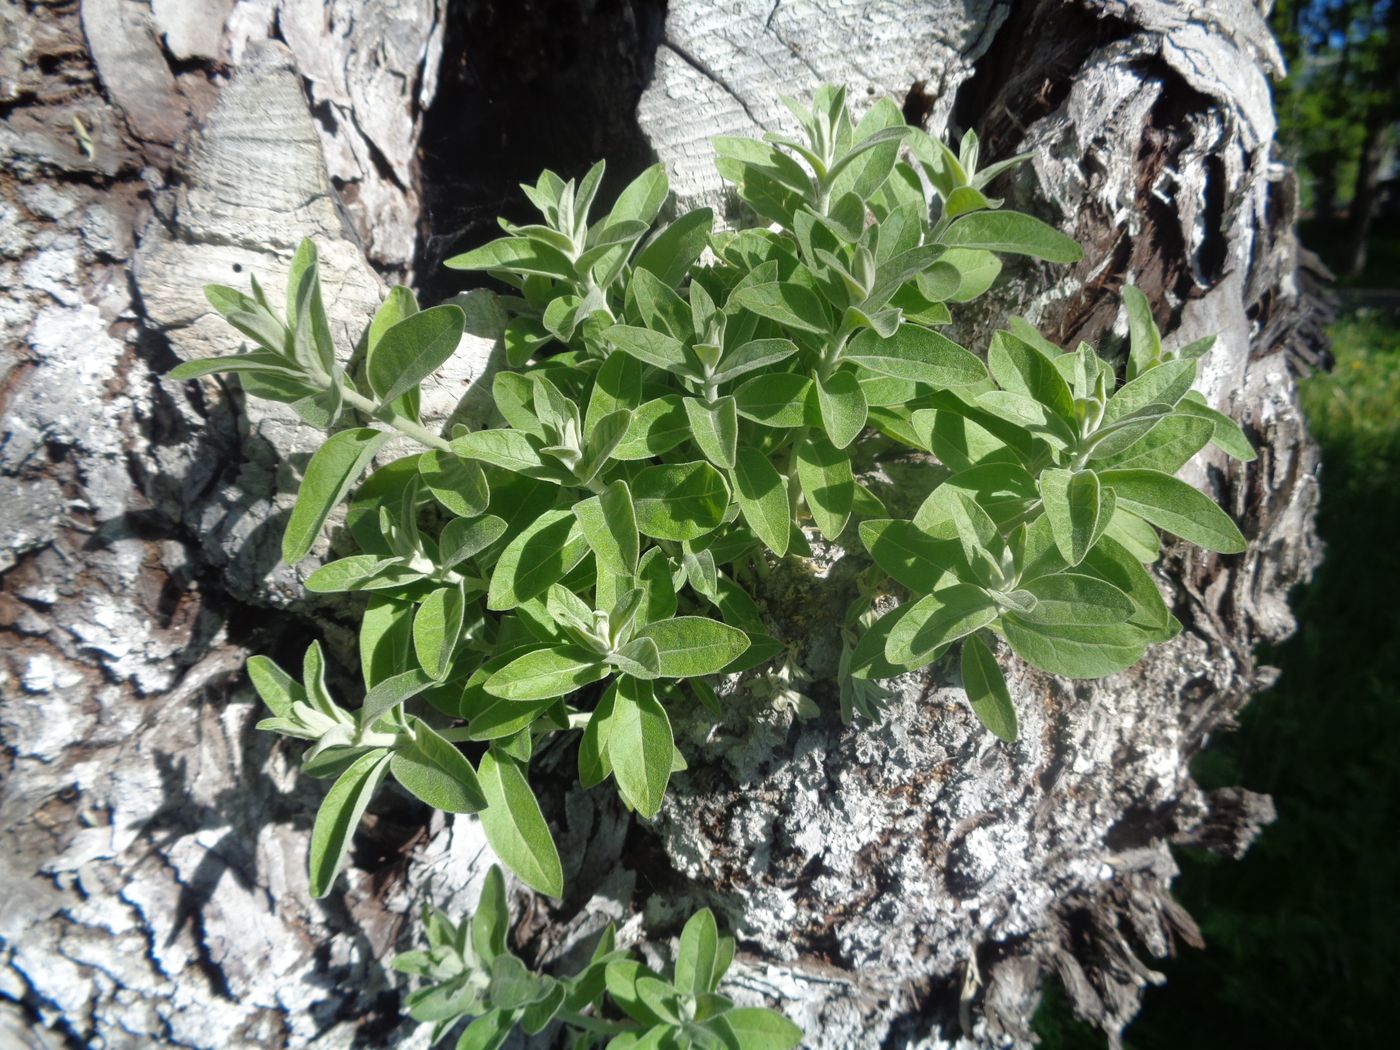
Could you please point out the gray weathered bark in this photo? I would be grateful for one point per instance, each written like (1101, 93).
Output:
(911, 883)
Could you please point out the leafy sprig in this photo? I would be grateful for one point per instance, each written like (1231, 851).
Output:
(469, 972)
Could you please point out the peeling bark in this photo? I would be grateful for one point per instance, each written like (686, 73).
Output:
(906, 884)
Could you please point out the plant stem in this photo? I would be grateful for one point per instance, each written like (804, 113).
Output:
(407, 427)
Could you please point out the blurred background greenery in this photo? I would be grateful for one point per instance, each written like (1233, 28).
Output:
(1302, 934)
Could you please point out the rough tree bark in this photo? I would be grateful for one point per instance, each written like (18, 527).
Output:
(906, 884)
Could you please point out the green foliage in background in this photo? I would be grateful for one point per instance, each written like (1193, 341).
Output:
(682, 409)
(1341, 69)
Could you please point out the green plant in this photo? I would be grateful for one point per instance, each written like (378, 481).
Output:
(671, 420)
(470, 973)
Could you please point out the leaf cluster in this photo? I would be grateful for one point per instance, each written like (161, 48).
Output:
(683, 407)
(469, 972)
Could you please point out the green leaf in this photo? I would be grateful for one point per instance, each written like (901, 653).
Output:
(643, 197)
(639, 746)
(458, 484)
(609, 524)
(754, 1028)
(910, 555)
(715, 428)
(1021, 369)
(333, 470)
(1135, 534)
(278, 690)
(670, 254)
(691, 646)
(385, 639)
(1012, 232)
(778, 400)
(679, 501)
(516, 828)
(412, 350)
(538, 1014)
(546, 673)
(937, 619)
(790, 305)
(1228, 436)
(1171, 504)
(622, 977)
(512, 984)
(487, 1032)
(698, 954)
(639, 658)
(250, 317)
(762, 497)
(656, 427)
(1073, 599)
(311, 334)
(255, 362)
(393, 691)
(916, 353)
(824, 472)
(593, 764)
(511, 449)
(1166, 385)
(753, 355)
(340, 814)
(1168, 446)
(515, 254)
(491, 921)
(986, 689)
(549, 547)
(843, 408)
(436, 628)
(617, 386)
(1072, 503)
(462, 539)
(1004, 490)
(436, 772)
(1144, 341)
(653, 348)
(1075, 651)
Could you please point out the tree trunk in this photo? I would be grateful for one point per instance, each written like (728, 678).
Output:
(908, 883)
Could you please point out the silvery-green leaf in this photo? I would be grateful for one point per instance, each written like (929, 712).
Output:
(332, 471)
(1171, 504)
(714, 426)
(516, 828)
(762, 497)
(691, 646)
(436, 628)
(609, 524)
(413, 349)
(639, 746)
(339, 815)
(937, 619)
(434, 770)
(679, 501)
(1072, 503)
(842, 406)
(458, 484)
(547, 673)
(540, 555)
(986, 689)
(1012, 232)
(824, 472)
